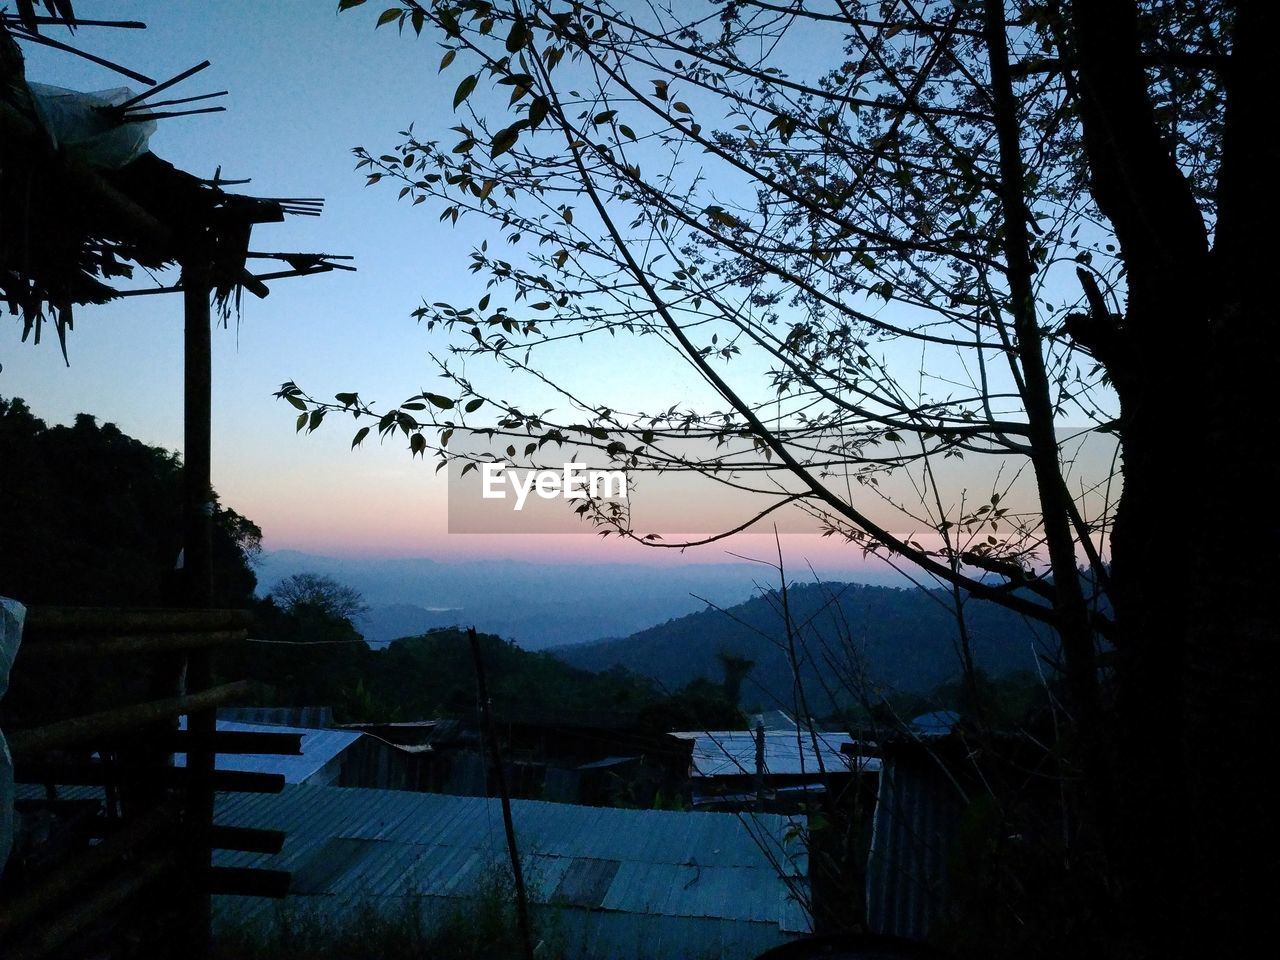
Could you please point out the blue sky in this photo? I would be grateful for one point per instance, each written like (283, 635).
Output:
(306, 86)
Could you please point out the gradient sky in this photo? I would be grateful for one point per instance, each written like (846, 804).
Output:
(306, 86)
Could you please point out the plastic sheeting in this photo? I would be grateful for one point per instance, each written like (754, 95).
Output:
(12, 615)
(77, 124)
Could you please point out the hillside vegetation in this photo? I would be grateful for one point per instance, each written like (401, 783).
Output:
(851, 639)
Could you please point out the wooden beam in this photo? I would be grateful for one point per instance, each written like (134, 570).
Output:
(76, 730)
(117, 621)
(96, 774)
(248, 882)
(247, 839)
(93, 647)
(237, 742)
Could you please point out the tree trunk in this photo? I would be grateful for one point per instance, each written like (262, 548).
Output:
(1193, 557)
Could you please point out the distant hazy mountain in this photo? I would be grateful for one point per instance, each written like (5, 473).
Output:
(388, 622)
(538, 605)
(891, 639)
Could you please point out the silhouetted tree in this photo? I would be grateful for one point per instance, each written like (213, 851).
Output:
(736, 669)
(945, 237)
(89, 515)
(321, 592)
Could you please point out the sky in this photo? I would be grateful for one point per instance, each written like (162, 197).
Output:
(306, 85)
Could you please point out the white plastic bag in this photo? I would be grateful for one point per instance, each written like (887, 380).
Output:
(76, 125)
(12, 615)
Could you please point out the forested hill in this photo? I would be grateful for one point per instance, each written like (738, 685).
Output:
(899, 640)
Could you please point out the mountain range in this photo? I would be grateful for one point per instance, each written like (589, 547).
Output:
(848, 639)
(538, 605)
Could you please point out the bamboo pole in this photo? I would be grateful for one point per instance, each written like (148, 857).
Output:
(91, 647)
(94, 774)
(65, 733)
(46, 621)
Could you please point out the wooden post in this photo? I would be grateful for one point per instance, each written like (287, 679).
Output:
(197, 572)
(495, 759)
(197, 506)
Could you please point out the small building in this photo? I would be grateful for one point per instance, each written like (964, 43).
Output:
(618, 764)
(606, 883)
(917, 815)
(728, 768)
(329, 757)
(933, 772)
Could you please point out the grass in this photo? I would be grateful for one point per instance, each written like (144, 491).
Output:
(399, 928)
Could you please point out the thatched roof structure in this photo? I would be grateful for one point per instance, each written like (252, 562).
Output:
(70, 227)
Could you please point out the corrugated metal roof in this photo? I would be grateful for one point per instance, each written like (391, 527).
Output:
(319, 747)
(728, 753)
(916, 820)
(700, 883)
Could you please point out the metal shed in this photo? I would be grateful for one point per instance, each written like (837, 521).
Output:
(320, 761)
(731, 753)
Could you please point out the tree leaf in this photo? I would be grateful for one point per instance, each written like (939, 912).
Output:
(538, 111)
(464, 89)
(518, 36)
(504, 140)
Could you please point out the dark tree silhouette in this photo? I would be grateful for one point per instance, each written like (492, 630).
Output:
(944, 238)
(321, 592)
(89, 515)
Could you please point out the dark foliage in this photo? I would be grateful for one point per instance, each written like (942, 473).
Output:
(853, 640)
(433, 675)
(91, 516)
